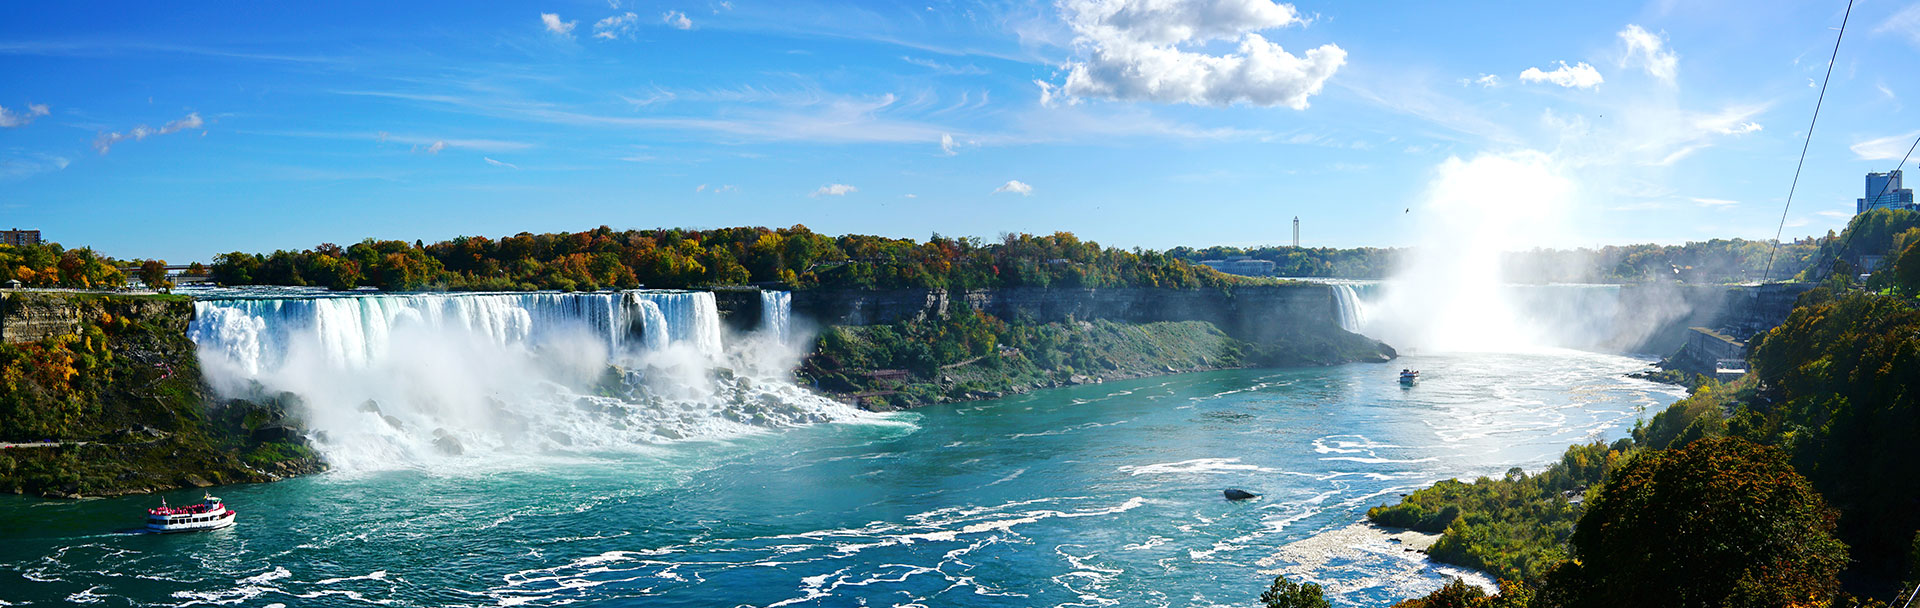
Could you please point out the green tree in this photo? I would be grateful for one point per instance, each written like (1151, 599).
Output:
(1288, 594)
(1720, 522)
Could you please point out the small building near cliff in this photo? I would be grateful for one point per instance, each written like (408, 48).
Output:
(1712, 354)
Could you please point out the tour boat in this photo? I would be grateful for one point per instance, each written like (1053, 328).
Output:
(210, 514)
(1408, 376)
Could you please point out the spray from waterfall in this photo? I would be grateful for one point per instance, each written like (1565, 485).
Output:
(1449, 294)
(397, 380)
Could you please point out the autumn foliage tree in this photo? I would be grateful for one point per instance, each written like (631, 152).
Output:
(1719, 522)
(153, 273)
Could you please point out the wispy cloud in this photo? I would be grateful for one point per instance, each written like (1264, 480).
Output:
(1578, 76)
(18, 164)
(968, 69)
(560, 28)
(106, 140)
(825, 119)
(1486, 81)
(834, 190)
(617, 26)
(946, 144)
(436, 147)
(1905, 23)
(1891, 147)
(499, 163)
(10, 119)
(1719, 203)
(1014, 186)
(113, 47)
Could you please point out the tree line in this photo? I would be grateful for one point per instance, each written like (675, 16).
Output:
(51, 265)
(1716, 261)
(679, 258)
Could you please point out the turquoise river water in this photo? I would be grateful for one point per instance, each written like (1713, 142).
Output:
(1094, 495)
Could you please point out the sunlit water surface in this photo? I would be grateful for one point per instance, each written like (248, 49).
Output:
(1086, 496)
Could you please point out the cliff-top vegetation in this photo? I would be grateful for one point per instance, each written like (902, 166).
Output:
(677, 258)
(1716, 261)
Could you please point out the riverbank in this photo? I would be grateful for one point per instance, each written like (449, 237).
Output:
(114, 383)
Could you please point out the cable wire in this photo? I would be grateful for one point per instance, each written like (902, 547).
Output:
(1768, 273)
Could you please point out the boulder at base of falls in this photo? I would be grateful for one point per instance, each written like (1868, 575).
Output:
(1238, 494)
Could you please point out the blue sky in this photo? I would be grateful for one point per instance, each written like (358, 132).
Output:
(180, 132)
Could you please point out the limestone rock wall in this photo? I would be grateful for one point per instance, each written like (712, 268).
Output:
(29, 316)
(1250, 313)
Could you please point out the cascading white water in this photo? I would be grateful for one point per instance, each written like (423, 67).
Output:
(403, 380)
(1352, 310)
(776, 314)
(689, 317)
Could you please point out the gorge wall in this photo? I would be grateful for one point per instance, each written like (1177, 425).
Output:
(1252, 313)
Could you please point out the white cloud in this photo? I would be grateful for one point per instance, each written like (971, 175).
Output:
(1647, 48)
(834, 190)
(616, 26)
(1735, 120)
(1014, 186)
(1485, 81)
(558, 27)
(1138, 50)
(499, 163)
(1579, 76)
(1892, 147)
(1716, 202)
(10, 119)
(1738, 129)
(913, 196)
(436, 147)
(946, 144)
(1836, 214)
(106, 140)
(677, 20)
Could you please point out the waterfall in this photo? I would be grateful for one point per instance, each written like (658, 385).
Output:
(690, 317)
(776, 314)
(386, 380)
(1353, 312)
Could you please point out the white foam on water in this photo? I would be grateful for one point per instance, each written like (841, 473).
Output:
(409, 380)
(1197, 465)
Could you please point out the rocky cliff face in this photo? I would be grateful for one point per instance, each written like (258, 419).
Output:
(1254, 313)
(116, 382)
(28, 316)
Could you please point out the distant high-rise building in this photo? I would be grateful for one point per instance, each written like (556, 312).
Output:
(1884, 192)
(17, 237)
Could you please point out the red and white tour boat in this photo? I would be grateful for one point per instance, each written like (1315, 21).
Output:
(210, 514)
